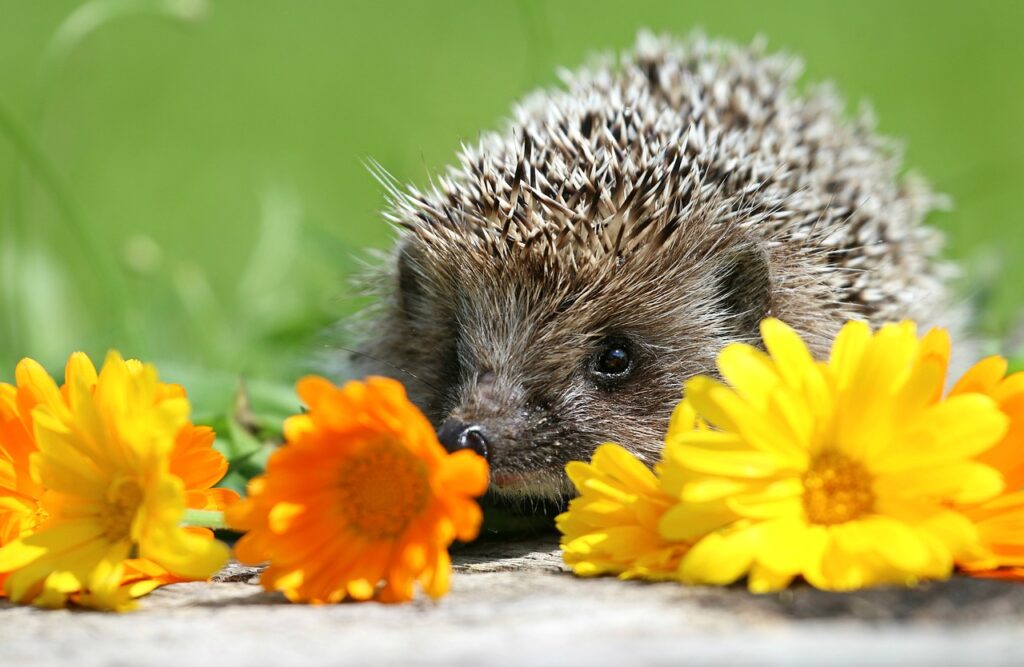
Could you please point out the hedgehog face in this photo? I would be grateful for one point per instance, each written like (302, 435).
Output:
(534, 360)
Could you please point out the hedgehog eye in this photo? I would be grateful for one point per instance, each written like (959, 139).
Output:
(614, 362)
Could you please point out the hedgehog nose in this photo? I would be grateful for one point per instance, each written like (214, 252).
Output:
(455, 435)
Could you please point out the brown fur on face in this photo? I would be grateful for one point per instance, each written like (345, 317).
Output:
(664, 205)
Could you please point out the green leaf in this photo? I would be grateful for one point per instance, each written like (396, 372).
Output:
(204, 519)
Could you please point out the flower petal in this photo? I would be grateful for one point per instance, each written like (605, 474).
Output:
(719, 558)
(960, 427)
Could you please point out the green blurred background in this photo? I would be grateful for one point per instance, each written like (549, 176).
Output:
(184, 180)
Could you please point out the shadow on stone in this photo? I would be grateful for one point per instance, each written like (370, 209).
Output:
(259, 598)
(498, 554)
(959, 600)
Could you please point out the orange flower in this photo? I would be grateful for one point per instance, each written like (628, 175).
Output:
(361, 502)
(1000, 521)
(20, 513)
(192, 459)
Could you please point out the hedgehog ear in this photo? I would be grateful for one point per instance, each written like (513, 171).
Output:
(411, 293)
(744, 288)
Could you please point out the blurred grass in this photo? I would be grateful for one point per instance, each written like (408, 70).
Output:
(211, 156)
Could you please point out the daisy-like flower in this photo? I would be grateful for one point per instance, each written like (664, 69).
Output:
(20, 512)
(611, 527)
(361, 502)
(842, 472)
(1000, 521)
(99, 512)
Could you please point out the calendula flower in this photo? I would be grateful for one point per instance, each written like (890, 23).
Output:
(842, 472)
(192, 459)
(105, 500)
(611, 527)
(20, 513)
(1000, 521)
(362, 501)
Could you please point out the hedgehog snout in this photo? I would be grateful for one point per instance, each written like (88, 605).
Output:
(456, 435)
(486, 417)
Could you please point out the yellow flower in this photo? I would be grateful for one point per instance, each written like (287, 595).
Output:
(840, 472)
(99, 454)
(611, 527)
(362, 501)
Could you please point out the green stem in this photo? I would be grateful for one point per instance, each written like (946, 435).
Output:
(204, 519)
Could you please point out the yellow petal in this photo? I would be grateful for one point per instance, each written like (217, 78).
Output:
(750, 371)
(687, 522)
(894, 541)
(706, 489)
(776, 499)
(616, 461)
(762, 580)
(724, 408)
(80, 370)
(950, 530)
(33, 378)
(706, 395)
(958, 428)
(683, 420)
(923, 387)
(847, 350)
(720, 559)
(172, 547)
(744, 464)
(793, 360)
(54, 540)
(960, 482)
(864, 408)
(183, 553)
(105, 582)
(783, 545)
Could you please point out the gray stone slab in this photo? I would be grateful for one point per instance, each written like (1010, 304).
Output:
(513, 603)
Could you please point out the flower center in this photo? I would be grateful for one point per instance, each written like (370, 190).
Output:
(35, 520)
(384, 487)
(837, 489)
(123, 500)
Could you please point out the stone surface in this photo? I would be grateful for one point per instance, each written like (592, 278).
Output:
(513, 603)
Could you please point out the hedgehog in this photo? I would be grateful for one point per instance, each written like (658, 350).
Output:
(556, 288)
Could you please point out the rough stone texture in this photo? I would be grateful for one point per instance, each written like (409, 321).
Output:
(512, 604)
